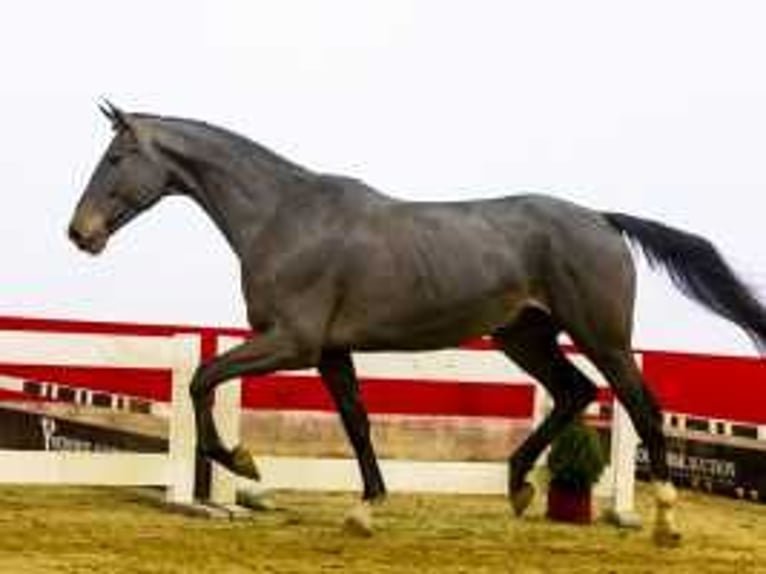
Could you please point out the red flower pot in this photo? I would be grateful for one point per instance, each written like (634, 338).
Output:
(574, 506)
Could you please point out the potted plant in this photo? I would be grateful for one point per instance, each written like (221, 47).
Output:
(576, 461)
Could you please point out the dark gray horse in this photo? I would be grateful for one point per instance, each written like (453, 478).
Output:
(331, 266)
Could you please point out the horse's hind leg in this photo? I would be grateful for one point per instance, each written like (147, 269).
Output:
(601, 330)
(624, 375)
(591, 291)
(531, 343)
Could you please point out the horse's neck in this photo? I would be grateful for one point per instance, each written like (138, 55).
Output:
(240, 197)
(236, 207)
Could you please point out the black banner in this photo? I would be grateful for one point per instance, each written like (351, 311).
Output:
(28, 430)
(715, 467)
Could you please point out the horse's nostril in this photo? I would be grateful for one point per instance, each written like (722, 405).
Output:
(75, 235)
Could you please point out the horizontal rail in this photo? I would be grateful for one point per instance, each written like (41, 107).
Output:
(69, 349)
(424, 476)
(84, 468)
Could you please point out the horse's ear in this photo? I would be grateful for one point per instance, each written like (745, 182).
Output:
(115, 115)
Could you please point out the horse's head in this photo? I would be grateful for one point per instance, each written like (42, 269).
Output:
(130, 178)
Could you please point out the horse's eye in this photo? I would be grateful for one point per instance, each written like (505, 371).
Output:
(113, 159)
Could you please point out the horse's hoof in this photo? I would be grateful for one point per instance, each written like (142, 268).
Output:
(359, 520)
(522, 498)
(667, 538)
(243, 463)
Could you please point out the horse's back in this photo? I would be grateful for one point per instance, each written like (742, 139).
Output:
(526, 226)
(428, 273)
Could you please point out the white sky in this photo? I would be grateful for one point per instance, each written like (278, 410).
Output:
(656, 108)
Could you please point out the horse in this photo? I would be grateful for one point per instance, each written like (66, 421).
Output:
(331, 266)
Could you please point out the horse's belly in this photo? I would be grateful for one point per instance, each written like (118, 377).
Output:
(439, 328)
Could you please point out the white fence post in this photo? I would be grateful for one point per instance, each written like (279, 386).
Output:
(182, 432)
(623, 468)
(617, 485)
(619, 481)
(541, 407)
(223, 484)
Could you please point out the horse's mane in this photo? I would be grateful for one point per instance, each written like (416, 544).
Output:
(235, 144)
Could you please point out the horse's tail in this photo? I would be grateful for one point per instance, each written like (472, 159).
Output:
(698, 270)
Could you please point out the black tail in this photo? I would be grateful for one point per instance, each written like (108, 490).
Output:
(698, 270)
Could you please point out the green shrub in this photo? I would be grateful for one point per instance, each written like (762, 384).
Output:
(576, 459)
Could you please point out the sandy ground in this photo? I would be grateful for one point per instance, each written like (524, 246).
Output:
(78, 530)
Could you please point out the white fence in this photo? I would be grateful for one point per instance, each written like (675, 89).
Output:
(176, 469)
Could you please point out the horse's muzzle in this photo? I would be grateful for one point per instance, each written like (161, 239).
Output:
(89, 234)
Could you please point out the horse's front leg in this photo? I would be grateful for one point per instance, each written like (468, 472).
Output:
(269, 352)
(338, 375)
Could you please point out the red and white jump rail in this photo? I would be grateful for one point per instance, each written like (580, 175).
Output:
(471, 381)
